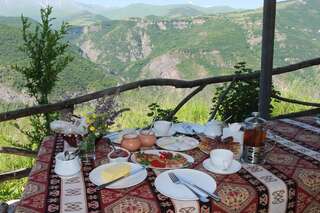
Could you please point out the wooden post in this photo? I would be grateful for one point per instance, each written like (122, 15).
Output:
(269, 17)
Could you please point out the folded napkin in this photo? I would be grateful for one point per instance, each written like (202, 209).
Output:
(213, 129)
(68, 128)
(233, 130)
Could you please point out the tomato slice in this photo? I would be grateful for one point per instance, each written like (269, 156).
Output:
(157, 163)
(162, 156)
(165, 155)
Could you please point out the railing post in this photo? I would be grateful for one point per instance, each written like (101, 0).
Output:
(269, 17)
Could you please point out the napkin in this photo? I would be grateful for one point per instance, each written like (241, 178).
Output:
(213, 128)
(233, 130)
(67, 128)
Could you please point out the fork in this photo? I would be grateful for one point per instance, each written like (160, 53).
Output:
(176, 180)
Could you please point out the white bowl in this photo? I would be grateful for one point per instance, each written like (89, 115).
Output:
(119, 159)
(66, 168)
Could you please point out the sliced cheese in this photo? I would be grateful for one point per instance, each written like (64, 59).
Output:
(115, 171)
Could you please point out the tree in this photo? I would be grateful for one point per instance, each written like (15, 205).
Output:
(46, 58)
(242, 99)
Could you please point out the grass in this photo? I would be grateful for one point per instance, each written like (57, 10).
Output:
(10, 190)
(197, 110)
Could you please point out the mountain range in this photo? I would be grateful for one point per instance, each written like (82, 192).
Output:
(65, 9)
(185, 45)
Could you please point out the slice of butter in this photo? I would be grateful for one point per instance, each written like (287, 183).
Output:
(115, 171)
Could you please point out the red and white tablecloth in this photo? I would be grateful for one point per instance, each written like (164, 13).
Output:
(289, 180)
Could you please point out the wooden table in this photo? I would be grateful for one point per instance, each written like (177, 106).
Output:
(289, 181)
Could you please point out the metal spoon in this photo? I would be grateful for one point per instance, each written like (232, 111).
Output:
(74, 154)
(112, 145)
(66, 155)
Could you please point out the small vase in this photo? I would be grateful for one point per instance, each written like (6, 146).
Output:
(87, 150)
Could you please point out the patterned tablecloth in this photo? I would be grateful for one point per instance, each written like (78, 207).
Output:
(289, 180)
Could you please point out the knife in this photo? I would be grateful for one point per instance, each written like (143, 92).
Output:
(102, 186)
(215, 197)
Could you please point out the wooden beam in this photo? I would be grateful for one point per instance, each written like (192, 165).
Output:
(310, 112)
(17, 151)
(269, 18)
(17, 174)
(296, 101)
(146, 83)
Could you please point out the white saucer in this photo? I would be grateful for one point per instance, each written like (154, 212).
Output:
(171, 132)
(234, 168)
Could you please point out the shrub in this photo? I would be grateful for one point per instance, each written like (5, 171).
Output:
(242, 99)
(157, 113)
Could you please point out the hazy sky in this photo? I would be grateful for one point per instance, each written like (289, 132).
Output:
(248, 4)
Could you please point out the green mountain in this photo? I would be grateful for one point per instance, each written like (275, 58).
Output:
(108, 51)
(143, 10)
(193, 47)
(65, 9)
(81, 75)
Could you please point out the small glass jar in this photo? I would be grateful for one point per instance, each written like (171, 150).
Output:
(131, 142)
(147, 138)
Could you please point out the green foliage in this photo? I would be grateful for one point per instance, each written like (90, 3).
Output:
(47, 58)
(157, 113)
(242, 99)
(11, 190)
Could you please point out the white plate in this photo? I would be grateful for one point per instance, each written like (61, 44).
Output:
(180, 143)
(171, 132)
(166, 187)
(188, 157)
(95, 176)
(234, 168)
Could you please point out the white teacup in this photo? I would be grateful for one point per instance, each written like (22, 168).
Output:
(221, 158)
(162, 128)
(65, 167)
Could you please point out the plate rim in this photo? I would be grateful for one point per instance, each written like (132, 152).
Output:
(183, 150)
(159, 150)
(109, 164)
(191, 170)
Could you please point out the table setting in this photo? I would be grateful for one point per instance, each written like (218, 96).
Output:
(252, 166)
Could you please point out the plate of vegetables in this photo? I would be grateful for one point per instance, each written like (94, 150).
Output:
(160, 159)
